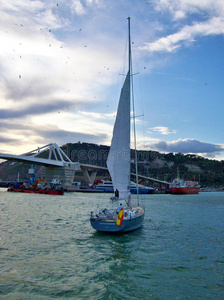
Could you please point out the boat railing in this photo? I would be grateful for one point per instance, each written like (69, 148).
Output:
(108, 214)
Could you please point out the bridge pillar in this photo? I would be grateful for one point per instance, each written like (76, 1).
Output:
(89, 178)
(64, 174)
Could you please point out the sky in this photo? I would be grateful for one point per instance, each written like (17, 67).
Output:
(62, 64)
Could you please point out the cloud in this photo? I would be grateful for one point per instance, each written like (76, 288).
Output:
(97, 115)
(63, 136)
(162, 130)
(186, 36)
(51, 66)
(188, 146)
(33, 110)
(42, 136)
(30, 128)
(7, 140)
(181, 9)
(80, 7)
(212, 10)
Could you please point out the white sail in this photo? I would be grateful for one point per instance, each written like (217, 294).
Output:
(118, 161)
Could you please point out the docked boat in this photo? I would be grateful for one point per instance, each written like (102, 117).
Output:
(180, 186)
(107, 187)
(36, 191)
(55, 189)
(126, 217)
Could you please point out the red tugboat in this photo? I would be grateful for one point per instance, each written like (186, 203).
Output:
(180, 186)
(33, 189)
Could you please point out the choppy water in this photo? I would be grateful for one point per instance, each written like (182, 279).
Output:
(49, 250)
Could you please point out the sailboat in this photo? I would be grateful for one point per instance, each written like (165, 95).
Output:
(126, 217)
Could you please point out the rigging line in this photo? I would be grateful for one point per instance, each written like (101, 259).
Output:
(123, 65)
(133, 106)
(135, 142)
(140, 102)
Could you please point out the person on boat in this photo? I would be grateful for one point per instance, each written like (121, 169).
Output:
(119, 208)
(117, 193)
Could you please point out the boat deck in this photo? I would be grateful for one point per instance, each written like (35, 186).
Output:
(111, 217)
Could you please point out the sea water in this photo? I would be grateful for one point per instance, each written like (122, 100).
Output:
(50, 251)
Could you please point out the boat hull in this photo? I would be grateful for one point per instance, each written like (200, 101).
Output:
(132, 190)
(142, 190)
(38, 191)
(184, 190)
(110, 226)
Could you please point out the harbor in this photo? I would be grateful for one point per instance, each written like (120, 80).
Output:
(48, 250)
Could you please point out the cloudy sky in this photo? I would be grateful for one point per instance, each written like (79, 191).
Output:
(62, 64)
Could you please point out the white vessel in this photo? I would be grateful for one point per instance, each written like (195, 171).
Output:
(107, 187)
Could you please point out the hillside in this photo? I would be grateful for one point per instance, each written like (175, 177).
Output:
(150, 163)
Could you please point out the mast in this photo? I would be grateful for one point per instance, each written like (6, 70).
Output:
(133, 105)
(129, 45)
(119, 160)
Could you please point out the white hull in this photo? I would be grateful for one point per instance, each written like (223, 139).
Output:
(107, 187)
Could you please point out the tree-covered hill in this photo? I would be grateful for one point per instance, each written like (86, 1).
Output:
(150, 163)
(154, 164)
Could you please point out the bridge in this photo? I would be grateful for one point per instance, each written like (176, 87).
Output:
(58, 165)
